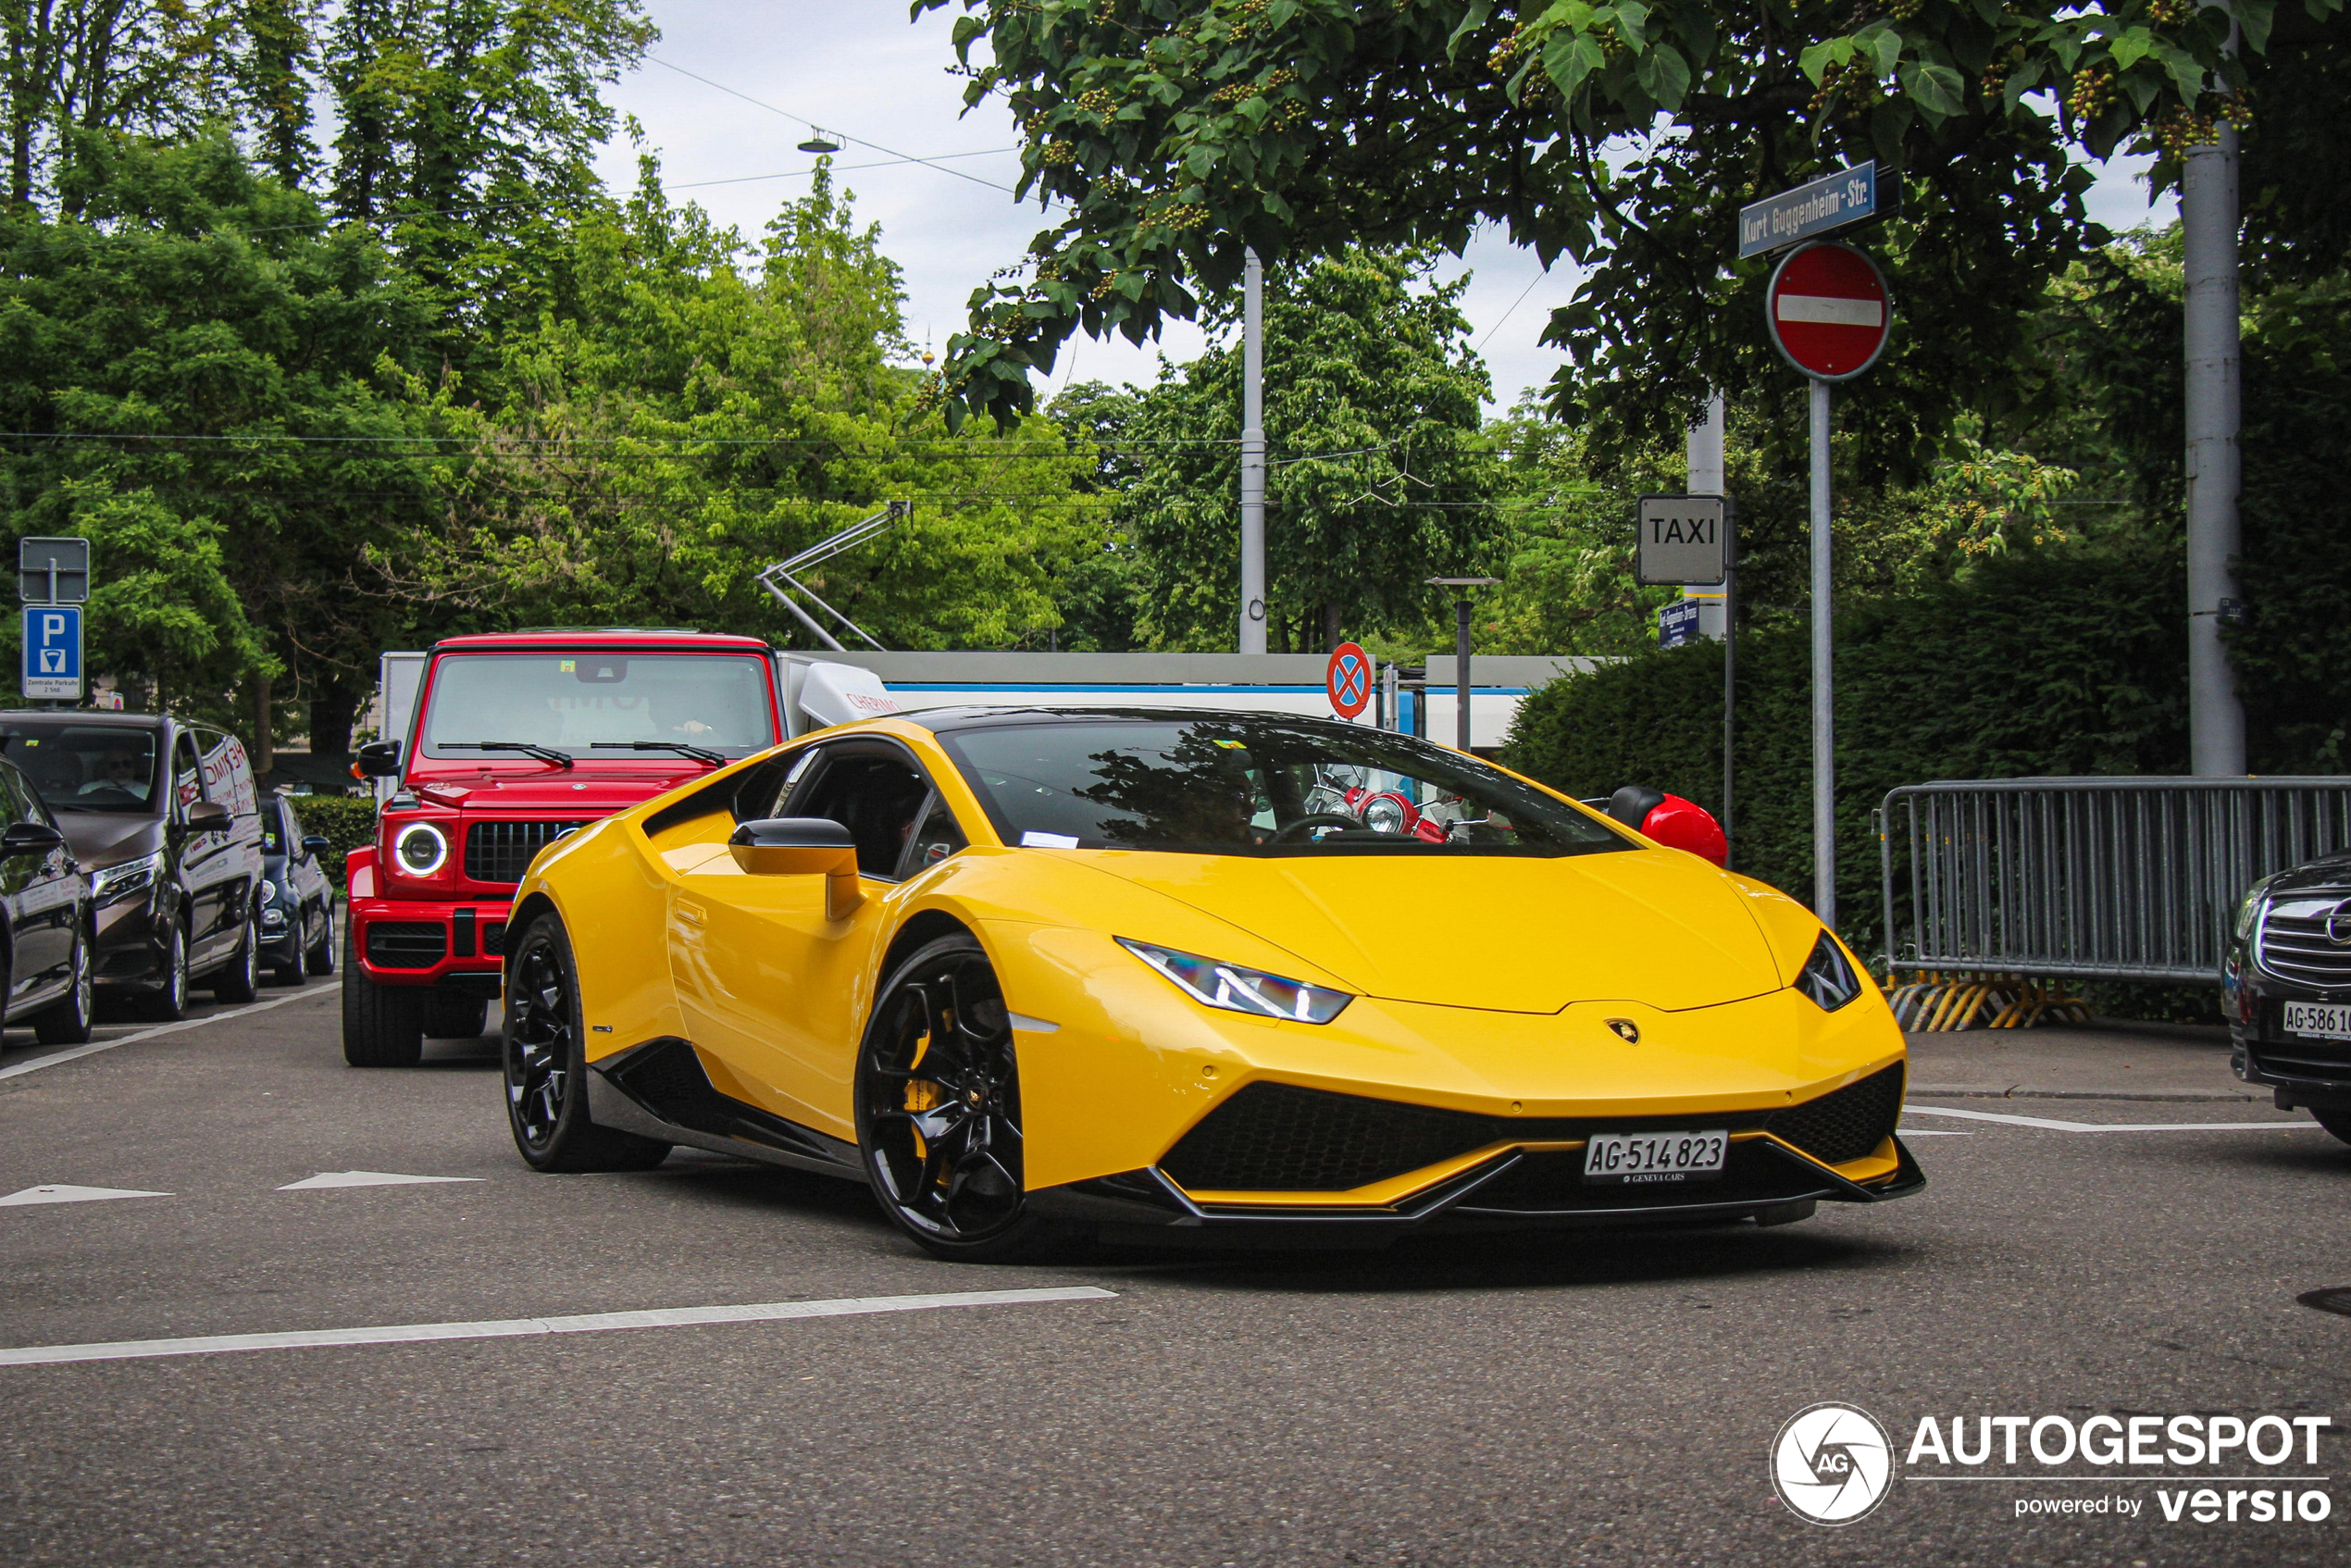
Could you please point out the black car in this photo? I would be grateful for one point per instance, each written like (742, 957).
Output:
(2286, 984)
(165, 818)
(297, 899)
(47, 902)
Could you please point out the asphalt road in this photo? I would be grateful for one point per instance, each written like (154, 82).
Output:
(1608, 1399)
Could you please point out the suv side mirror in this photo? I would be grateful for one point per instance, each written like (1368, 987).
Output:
(1670, 820)
(29, 838)
(803, 846)
(378, 759)
(208, 816)
(316, 843)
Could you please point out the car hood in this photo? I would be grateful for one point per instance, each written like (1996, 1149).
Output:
(100, 838)
(1517, 936)
(582, 792)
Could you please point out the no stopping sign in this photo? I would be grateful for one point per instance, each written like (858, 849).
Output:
(1828, 312)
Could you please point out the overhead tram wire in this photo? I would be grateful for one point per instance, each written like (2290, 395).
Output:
(802, 119)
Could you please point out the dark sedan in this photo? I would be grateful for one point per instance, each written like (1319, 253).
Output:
(297, 898)
(46, 901)
(2287, 986)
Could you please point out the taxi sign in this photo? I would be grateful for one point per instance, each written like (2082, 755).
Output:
(1828, 312)
(1348, 678)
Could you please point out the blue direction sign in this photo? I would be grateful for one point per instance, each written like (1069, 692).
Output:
(1678, 623)
(52, 651)
(1813, 208)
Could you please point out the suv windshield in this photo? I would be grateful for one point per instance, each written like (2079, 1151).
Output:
(85, 766)
(1260, 784)
(574, 703)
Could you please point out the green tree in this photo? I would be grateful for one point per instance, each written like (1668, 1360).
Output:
(198, 345)
(711, 408)
(1381, 478)
(1170, 134)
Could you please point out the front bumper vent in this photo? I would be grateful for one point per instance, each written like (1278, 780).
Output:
(1280, 1137)
(406, 944)
(1845, 1123)
(502, 851)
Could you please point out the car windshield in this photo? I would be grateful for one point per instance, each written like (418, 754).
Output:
(1260, 785)
(576, 703)
(85, 766)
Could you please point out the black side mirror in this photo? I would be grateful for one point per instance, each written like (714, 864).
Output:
(378, 759)
(29, 838)
(316, 843)
(208, 816)
(1632, 805)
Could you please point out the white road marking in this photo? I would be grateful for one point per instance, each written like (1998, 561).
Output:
(508, 1328)
(1936, 1132)
(364, 1178)
(2107, 1126)
(63, 1194)
(97, 1045)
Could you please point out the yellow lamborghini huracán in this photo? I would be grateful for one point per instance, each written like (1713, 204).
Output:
(1154, 971)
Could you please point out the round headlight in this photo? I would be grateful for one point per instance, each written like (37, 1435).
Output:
(1384, 813)
(269, 892)
(420, 848)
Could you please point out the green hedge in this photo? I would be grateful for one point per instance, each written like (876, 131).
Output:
(2068, 661)
(347, 822)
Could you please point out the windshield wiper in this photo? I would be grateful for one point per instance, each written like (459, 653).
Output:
(528, 749)
(699, 753)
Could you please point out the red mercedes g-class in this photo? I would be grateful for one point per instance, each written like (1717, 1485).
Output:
(520, 738)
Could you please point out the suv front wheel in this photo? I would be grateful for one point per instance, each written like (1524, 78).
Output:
(382, 1026)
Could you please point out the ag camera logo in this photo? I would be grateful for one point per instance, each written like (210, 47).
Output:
(1832, 1464)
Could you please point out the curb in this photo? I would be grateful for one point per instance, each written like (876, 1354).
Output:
(2027, 1091)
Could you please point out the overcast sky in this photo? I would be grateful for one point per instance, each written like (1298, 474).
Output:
(858, 68)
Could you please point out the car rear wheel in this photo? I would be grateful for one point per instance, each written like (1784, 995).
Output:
(2337, 1121)
(546, 1066)
(241, 981)
(939, 1109)
(320, 959)
(167, 1003)
(382, 1026)
(68, 1023)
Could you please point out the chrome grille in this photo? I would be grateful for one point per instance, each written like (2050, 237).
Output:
(2295, 944)
(502, 851)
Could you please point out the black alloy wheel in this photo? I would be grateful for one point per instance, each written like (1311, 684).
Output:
(546, 1068)
(68, 1023)
(939, 1108)
(168, 1003)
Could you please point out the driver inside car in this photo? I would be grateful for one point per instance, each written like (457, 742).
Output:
(123, 770)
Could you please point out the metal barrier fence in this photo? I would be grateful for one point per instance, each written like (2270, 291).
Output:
(2090, 878)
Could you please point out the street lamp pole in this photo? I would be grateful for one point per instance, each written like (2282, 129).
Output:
(1252, 628)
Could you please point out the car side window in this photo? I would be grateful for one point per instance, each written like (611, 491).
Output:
(228, 777)
(13, 789)
(187, 775)
(938, 836)
(874, 794)
(274, 839)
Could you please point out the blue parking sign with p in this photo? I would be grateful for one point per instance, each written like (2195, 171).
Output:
(52, 651)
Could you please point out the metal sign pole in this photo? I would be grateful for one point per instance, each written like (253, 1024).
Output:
(1823, 675)
(1730, 664)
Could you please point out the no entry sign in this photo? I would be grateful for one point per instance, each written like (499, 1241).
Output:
(1348, 678)
(1828, 312)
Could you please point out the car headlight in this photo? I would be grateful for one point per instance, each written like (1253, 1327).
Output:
(1236, 989)
(1828, 977)
(119, 882)
(2250, 907)
(269, 891)
(419, 849)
